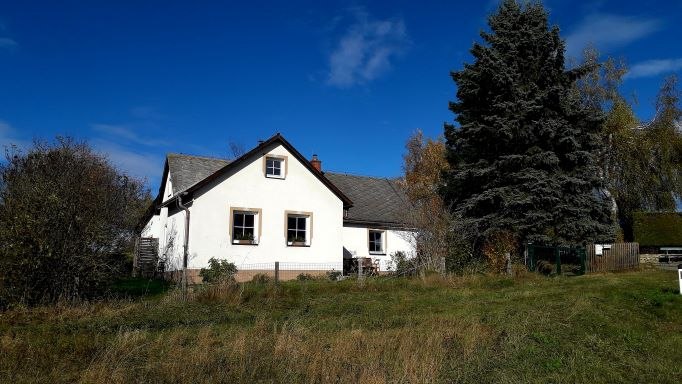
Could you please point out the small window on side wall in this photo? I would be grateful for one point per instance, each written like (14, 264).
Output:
(298, 229)
(275, 167)
(245, 227)
(376, 242)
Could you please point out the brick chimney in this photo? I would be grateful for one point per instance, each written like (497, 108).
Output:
(316, 163)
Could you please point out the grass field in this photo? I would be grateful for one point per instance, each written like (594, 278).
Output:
(624, 327)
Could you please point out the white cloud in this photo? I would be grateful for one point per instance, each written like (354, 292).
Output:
(365, 50)
(606, 31)
(651, 68)
(6, 42)
(142, 165)
(127, 133)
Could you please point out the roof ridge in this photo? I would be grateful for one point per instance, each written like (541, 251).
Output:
(365, 176)
(196, 156)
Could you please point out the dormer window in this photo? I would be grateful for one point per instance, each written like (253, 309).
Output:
(275, 167)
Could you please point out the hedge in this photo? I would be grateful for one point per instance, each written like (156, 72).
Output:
(658, 229)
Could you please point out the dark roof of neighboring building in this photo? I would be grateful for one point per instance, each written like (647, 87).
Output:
(378, 201)
(187, 170)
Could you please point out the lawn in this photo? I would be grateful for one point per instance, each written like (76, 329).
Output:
(624, 327)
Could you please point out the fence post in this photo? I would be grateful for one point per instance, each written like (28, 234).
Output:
(360, 275)
(135, 251)
(276, 271)
(557, 255)
(508, 263)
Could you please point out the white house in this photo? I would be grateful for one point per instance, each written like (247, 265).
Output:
(272, 204)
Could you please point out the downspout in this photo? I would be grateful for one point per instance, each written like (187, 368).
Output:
(185, 241)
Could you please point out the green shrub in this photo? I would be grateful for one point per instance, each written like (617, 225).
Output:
(261, 278)
(658, 229)
(334, 275)
(402, 265)
(218, 271)
(305, 277)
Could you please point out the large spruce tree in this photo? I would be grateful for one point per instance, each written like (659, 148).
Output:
(524, 157)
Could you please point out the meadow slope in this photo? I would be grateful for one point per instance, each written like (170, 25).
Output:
(624, 327)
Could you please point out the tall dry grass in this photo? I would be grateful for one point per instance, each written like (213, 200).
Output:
(428, 329)
(288, 352)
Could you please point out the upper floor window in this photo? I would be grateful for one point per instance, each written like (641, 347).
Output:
(245, 226)
(275, 167)
(299, 229)
(376, 241)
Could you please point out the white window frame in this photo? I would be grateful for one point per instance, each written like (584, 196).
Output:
(256, 213)
(382, 241)
(308, 217)
(282, 160)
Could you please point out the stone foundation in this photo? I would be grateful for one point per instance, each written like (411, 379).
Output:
(245, 275)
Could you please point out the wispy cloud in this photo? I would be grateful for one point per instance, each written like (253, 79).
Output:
(606, 31)
(139, 164)
(136, 146)
(128, 133)
(8, 138)
(366, 49)
(6, 42)
(651, 68)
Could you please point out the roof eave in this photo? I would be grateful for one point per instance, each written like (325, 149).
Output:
(379, 224)
(347, 203)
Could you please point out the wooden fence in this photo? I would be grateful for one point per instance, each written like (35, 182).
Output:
(612, 257)
(146, 256)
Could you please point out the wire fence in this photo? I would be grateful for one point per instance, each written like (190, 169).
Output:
(282, 271)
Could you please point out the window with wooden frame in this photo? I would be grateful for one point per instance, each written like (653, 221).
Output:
(298, 228)
(245, 227)
(275, 166)
(377, 241)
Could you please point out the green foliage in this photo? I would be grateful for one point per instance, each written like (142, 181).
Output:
(402, 265)
(218, 271)
(137, 286)
(243, 236)
(261, 278)
(305, 277)
(524, 157)
(658, 229)
(67, 222)
(334, 275)
(641, 163)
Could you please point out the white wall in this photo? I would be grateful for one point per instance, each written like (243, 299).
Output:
(157, 224)
(168, 190)
(172, 239)
(356, 241)
(248, 187)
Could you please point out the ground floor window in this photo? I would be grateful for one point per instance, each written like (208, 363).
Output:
(298, 230)
(245, 226)
(376, 241)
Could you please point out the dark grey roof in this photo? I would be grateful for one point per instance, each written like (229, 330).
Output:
(187, 170)
(375, 200)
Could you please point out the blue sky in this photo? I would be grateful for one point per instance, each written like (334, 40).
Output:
(349, 81)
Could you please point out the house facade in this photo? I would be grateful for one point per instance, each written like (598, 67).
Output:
(273, 205)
